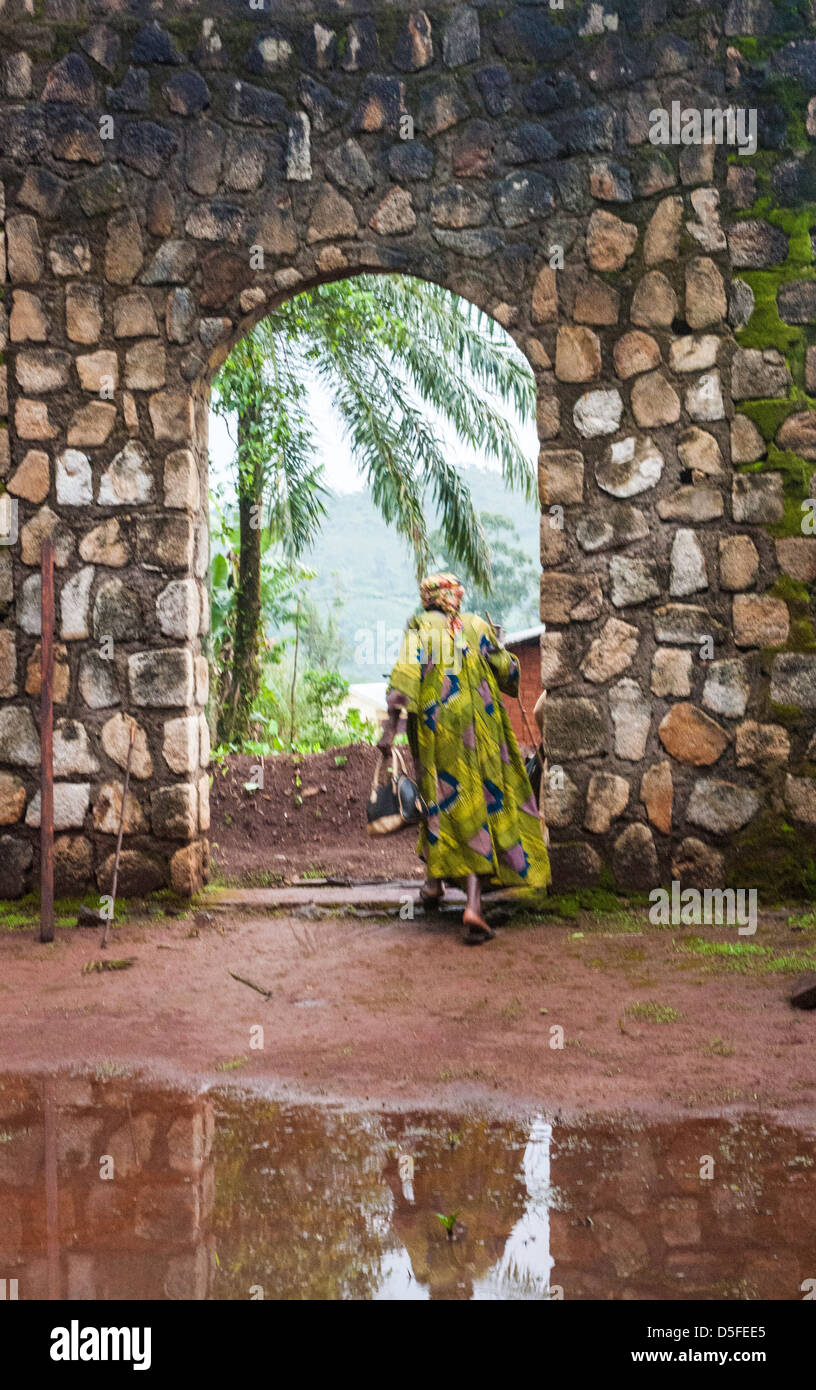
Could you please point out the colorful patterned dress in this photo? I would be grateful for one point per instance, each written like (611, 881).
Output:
(482, 814)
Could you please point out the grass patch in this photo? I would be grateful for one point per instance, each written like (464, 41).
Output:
(24, 913)
(596, 900)
(748, 957)
(651, 1012)
(806, 921)
(233, 1064)
(257, 878)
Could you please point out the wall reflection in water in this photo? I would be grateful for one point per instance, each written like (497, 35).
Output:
(114, 1190)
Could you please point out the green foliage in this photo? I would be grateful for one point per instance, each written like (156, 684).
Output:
(448, 1222)
(280, 584)
(318, 719)
(744, 957)
(275, 466)
(391, 352)
(512, 595)
(325, 692)
(321, 638)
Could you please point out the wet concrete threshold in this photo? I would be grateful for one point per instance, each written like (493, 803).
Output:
(324, 894)
(111, 1189)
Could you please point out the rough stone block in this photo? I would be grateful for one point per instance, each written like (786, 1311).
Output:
(178, 609)
(631, 719)
(690, 736)
(128, 480)
(161, 678)
(573, 728)
(560, 476)
(760, 621)
(71, 802)
(167, 542)
(174, 811)
(73, 479)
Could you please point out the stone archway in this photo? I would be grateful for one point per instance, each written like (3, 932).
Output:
(169, 178)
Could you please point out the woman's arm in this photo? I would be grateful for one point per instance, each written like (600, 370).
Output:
(389, 728)
(506, 667)
(403, 688)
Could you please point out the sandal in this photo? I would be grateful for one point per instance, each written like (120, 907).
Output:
(430, 899)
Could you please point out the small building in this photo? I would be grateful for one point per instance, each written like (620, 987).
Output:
(368, 697)
(526, 647)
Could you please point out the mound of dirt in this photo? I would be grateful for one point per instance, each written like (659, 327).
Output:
(308, 817)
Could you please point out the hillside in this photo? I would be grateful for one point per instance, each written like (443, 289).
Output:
(364, 563)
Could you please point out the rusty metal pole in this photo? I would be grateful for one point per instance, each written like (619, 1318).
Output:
(50, 1122)
(47, 744)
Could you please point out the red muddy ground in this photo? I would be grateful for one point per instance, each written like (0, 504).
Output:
(307, 818)
(391, 1012)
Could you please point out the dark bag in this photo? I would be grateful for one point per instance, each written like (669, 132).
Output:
(397, 802)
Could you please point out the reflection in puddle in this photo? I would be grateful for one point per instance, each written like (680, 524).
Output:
(110, 1190)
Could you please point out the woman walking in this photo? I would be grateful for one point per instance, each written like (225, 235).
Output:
(482, 823)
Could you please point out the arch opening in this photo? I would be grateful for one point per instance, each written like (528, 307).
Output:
(356, 388)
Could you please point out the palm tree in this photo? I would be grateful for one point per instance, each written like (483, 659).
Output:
(399, 359)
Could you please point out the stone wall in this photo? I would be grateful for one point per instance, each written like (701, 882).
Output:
(170, 176)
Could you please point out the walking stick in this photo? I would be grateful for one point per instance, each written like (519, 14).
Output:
(536, 742)
(543, 763)
(115, 880)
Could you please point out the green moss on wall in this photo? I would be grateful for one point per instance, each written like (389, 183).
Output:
(789, 716)
(766, 329)
(776, 858)
(767, 415)
(802, 636)
(794, 593)
(791, 523)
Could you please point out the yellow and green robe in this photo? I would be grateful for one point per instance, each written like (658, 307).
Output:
(482, 814)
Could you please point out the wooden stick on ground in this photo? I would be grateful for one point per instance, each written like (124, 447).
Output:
(115, 879)
(47, 743)
(267, 993)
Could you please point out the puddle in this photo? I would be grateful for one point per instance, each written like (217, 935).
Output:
(113, 1190)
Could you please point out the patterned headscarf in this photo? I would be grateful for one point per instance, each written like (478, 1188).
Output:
(443, 591)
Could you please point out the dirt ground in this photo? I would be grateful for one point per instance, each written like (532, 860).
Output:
(398, 1012)
(308, 818)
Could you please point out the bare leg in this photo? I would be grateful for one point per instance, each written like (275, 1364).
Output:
(478, 930)
(432, 891)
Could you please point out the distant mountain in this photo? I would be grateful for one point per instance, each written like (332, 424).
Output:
(364, 563)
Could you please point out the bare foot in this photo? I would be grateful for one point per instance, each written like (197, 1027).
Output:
(478, 932)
